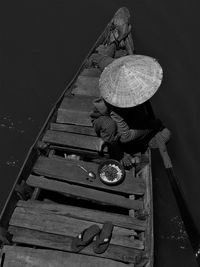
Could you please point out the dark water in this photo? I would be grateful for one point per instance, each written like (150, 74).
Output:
(43, 43)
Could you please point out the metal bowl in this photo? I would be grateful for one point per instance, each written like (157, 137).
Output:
(111, 172)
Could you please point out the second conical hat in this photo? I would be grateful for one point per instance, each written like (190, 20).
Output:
(130, 80)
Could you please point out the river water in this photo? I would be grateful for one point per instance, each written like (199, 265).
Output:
(42, 45)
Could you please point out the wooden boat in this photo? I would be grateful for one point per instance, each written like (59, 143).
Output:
(52, 200)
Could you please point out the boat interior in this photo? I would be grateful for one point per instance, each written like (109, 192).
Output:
(54, 199)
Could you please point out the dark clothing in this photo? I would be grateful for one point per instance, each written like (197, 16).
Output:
(124, 124)
(117, 131)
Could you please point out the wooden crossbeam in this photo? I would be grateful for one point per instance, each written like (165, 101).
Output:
(70, 128)
(96, 216)
(85, 193)
(58, 242)
(86, 85)
(76, 110)
(50, 222)
(68, 170)
(23, 257)
(72, 140)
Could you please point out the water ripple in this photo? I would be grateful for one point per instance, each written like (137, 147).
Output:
(8, 123)
(178, 233)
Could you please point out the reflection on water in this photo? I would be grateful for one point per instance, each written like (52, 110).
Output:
(9, 127)
(179, 234)
(7, 122)
(17, 134)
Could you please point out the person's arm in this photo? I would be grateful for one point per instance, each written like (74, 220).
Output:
(126, 134)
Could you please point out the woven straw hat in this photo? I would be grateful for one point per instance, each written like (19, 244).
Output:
(130, 80)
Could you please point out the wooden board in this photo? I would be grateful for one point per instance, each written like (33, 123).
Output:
(85, 214)
(23, 257)
(50, 222)
(70, 128)
(86, 85)
(85, 193)
(74, 117)
(58, 242)
(69, 170)
(72, 140)
(76, 110)
(148, 204)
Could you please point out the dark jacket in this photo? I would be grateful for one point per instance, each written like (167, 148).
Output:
(113, 124)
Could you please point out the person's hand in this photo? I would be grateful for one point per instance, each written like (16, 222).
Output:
(127, 160)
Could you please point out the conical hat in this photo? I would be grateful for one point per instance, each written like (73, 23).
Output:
(130, 80)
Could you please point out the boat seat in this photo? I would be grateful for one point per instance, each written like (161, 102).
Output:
(76, 110)
(86, 85)
(73, 126)
(74, 140)
(88, 214)
(23, 256)
(70, 128)
(52, 241)
(90, 194)
(70, 171)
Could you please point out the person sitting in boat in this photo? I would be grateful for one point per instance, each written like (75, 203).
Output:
(120, 31)
(119, 115)
(118, 43)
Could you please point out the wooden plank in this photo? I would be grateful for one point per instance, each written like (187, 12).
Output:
(72, 140)
(78, 103)
(23, 257)
(36, 193)
(74, 117)
(86, 85)
(58, 242)
(70, 128)
(50, 222)
(85, 193)
(85, 214)
(68, 170)
(76, 110)
(148, 205)
(131, 212)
